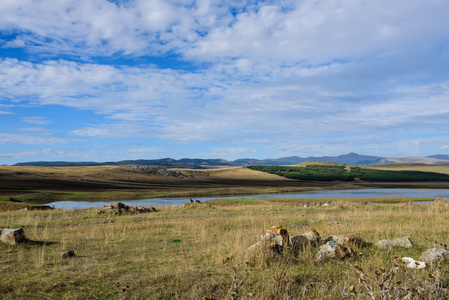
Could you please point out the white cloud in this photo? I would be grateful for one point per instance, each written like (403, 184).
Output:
(318, 31)
(29, 140)
(266, 73)
(36, 120)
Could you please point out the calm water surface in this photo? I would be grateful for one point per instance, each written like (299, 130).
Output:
(365, 193)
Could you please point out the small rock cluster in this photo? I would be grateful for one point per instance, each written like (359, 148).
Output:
(40, 207)
(120, 208)
(12, 236)
(149, 170)
(339, 246)
(67, 254)
(195, 203)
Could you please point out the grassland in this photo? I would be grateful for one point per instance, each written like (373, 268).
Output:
(34, 185)
(48, 184)
(179, 253)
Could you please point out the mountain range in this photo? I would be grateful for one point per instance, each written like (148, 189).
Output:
(351, 159)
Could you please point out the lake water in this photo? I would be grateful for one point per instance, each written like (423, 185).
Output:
(362, 193)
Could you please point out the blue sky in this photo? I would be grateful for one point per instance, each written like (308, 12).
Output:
(98, 80)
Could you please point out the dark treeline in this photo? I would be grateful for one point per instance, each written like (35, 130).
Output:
(331, 173)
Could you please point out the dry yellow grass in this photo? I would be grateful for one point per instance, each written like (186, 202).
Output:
(440, 168)
(238, 173)
(178, 253)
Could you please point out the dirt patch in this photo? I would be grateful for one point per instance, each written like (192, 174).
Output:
(11, 207)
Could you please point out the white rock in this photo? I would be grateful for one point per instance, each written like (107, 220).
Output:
(413, 264)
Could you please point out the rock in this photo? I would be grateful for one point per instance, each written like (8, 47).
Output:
(260, 245)
(344, 239)
(196, 203)
(413, 264)
(274, 239)
(332, 250)
(39, 207)
(276, 235)
(119, 208)
(301, 225)
(150, 170)
(335, 222)
(312, 235)
(342, 207)
(310, 238)
(67, 254)
(118, 205)
(299, 243)
(434, 255)
(403, 242)
(12, 236)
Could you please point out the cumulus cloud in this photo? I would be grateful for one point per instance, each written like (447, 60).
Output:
(252, 72)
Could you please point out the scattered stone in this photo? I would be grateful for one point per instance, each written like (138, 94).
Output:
(272, 248)
(327, 203)
(344, 239)
(301, 225)
(299, 243)
(413, 264)
(67, 254)
(363, 203)
(310, 238)
(276, 235)
(332, 250)
(149, 170)
(312, 235)
(12, 236)
(195, 203)
(335, 222)
(434, 255)
(38, 207)
(342, 207)
(274, 239)
(306, 205)
(403, 242)
(108, 221)
(120, 208)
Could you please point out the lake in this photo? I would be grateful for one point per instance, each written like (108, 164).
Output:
(358, 193)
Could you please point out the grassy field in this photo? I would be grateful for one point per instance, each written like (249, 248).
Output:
(444, 169)
(48, 184)
(28, 185)
(198, 252)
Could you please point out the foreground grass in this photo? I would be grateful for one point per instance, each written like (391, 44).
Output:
(178, 253)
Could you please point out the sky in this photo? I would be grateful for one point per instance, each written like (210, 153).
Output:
(98, 80)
